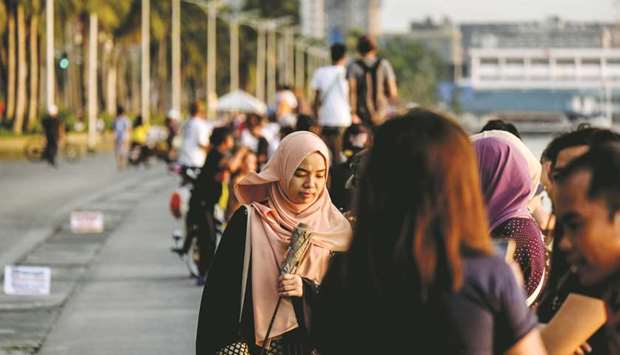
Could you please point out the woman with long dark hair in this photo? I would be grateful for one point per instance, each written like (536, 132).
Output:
(421, 277)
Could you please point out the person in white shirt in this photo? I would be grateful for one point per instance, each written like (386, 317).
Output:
(195, 135)
(331, 100)
(285, 105)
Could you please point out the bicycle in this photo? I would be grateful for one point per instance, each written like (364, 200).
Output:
(35, 148)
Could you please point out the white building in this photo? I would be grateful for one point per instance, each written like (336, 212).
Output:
(554, 69)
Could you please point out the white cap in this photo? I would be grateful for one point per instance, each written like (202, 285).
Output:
(53, 110)
(288, 97)
(174, 114)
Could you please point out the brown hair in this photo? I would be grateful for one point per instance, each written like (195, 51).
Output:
(196, 107)
(419, 206)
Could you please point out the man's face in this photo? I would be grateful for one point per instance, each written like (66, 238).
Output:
(564, 157)
(591, 238)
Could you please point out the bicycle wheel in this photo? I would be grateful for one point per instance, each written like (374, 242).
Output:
(71, 152)
(34, 149)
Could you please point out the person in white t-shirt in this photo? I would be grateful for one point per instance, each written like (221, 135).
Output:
(331, 100)
(195, 135)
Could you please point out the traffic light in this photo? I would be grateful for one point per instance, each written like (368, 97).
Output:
(64, 62)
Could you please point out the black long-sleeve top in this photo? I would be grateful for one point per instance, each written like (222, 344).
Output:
(218, 320)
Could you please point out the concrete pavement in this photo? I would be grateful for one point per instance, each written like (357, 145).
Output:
(135, 276)
(137, 299)
(35, 198)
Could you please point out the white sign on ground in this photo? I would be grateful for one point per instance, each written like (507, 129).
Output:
(27, 280)
(86, 222)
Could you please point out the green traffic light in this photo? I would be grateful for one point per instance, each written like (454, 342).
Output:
(64, 63)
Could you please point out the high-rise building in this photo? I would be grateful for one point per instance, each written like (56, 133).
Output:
(346, 15)
(312, 16)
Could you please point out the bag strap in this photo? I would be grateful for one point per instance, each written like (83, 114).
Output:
(374, 85)
(331, 86)
(246, 260)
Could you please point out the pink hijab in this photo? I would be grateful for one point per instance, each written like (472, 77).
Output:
(272, 219)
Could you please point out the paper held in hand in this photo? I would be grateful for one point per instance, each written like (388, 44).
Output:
(86, 222)
(27, 280)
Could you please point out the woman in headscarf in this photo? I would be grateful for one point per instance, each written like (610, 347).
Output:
(244, 283)
(507, 186)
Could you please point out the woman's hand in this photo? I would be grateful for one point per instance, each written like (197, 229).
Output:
(290, 285)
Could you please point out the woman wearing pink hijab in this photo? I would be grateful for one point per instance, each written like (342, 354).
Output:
(244, 282)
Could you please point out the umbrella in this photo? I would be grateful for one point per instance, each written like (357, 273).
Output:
(240, 101)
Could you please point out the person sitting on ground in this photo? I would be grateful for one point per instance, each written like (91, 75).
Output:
(139, 151)
(421, 276)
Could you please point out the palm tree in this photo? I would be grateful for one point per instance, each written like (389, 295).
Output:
(10, 90)
(22, 70)
(33, 109)
(3, 19)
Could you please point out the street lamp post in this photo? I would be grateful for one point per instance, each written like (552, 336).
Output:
(300, 63)
(210, 9)
(211, 94)
(234, 54)
(271, 61)
(260, 62)
(49, 55)
(146, 60)
(92, 81)
(176, 55)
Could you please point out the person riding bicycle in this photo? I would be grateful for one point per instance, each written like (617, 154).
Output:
(210, 188)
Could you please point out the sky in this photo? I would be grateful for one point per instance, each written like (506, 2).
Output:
(398, 13)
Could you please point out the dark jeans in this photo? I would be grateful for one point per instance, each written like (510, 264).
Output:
(200, 224)
(51, 150)
(332, 135)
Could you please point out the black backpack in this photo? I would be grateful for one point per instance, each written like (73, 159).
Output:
(367, 102)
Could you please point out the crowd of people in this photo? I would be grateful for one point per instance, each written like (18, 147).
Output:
(417, 230)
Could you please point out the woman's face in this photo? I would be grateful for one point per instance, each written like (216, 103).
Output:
(308, 181)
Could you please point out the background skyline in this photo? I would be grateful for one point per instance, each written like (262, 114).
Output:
(397, 14)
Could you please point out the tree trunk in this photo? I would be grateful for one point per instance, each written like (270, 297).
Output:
(10, 90)
(22, 71)
(33, 109)
(111, 79)
(162, 75)
(121, 68)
